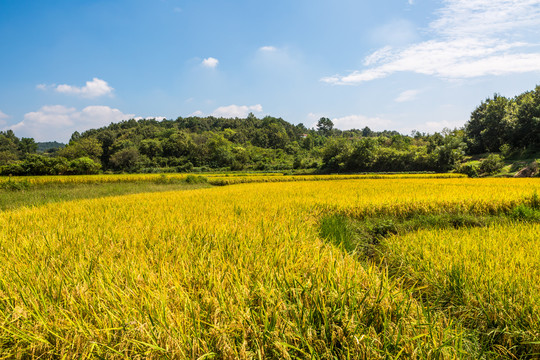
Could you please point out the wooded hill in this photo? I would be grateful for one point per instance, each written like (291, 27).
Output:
(497, 125)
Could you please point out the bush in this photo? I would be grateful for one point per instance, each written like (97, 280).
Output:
(523, 212)
(196, 179)
(14, 185)
(471, 170)
(84, 166)
(492, 164)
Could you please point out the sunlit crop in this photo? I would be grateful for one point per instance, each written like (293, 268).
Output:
(241, 271)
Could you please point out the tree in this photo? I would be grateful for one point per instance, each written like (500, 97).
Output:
(150, 148)
(367, 132)
(84, 147)
(125, 159)
(363, 155)
(27, 146)
(178, 144)
(84, 166)
(335, 154)
(325, 126)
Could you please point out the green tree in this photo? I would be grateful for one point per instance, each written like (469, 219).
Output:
(151, 148)
(363, 155)
(84, 147)
(84, 166)
(325, 126)
(27, 146)
(125, 159)
(335, 154)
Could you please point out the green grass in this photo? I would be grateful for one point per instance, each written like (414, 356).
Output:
(18, 196)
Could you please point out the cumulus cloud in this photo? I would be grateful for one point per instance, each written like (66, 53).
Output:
(210, 62)
(407, 95)
(472, 38)
(360, 121)
(239, 111)
(58, 122)
(158, 118)
(93, 89)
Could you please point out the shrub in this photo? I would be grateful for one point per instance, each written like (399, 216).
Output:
(84, 166)
(196, 179)
(14, 185)
(492, 164)
(471, 170)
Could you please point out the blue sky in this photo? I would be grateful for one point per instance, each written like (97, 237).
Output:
(387, 64)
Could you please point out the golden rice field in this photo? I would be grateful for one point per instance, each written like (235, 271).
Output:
(242, 272)
(215, 179)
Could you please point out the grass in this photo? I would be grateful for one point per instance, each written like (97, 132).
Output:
(18, 196)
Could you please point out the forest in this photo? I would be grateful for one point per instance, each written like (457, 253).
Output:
(498, 128)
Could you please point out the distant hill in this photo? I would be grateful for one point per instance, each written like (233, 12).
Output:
(49, 145)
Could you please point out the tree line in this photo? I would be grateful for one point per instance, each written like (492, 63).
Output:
(189, 144)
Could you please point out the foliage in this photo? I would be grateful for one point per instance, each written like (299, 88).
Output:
(14, 185)
(492, 164)
(500, 121)
(511, 126)
(471, 170)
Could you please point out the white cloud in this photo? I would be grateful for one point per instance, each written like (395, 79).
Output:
(361, 121)
(268, 48)
(158, 118)
(240, 111)
(58, 122)
(94, 88)
(197, 113)
(407, 95)
(472, 38)
(313, 118)
(210, 62)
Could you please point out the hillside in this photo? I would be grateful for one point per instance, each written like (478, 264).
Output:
(502, 136)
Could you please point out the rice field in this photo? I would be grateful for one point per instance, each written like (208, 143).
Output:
(243, 272)
(213, 178)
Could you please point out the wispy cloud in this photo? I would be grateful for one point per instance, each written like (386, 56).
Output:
(268, 48)
(407, 95)
(210, 62)
(472, 38)
(93, 89)
(58, 122)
